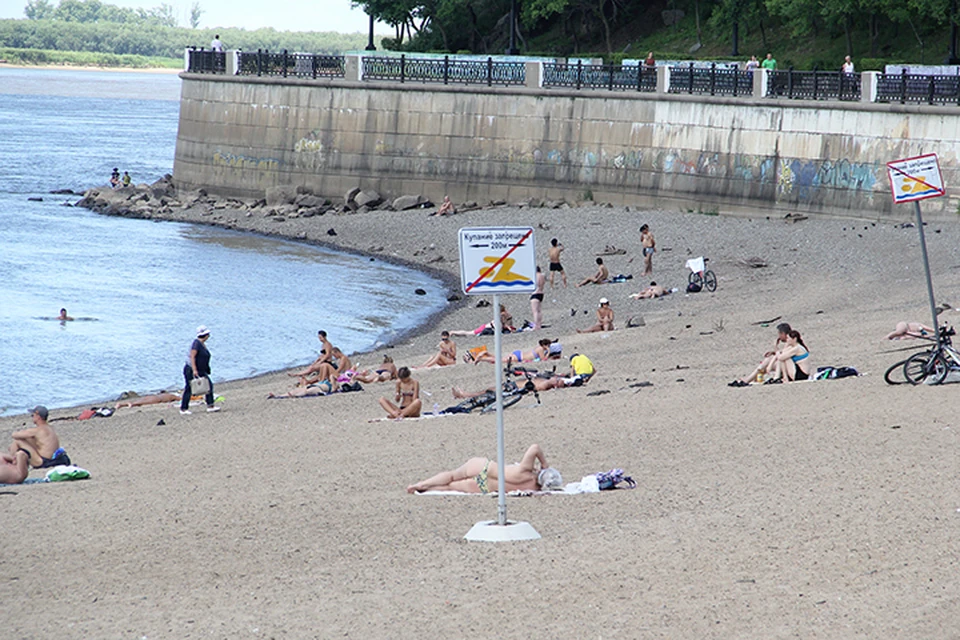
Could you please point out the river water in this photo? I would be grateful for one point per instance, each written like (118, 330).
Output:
(138, 289)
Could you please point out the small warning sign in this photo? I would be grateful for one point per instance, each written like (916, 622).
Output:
(916, 178)
(497, 260)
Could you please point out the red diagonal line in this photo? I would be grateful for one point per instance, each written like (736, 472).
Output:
(929, 186)
(497, 263)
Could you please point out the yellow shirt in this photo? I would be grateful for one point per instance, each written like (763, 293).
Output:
(581, 365)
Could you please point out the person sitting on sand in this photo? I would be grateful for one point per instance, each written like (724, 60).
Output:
(479, 475)
(407, 396)
(604, 318)
(581, 367)
(600, 277)
(446, 208)
(386, 371)
(793, 360)
(63, 317)
(768, 365)
(907, 330)
(14, 468)
(653, 291)
(447, 354)
(345, 369)
(40, 442)
(156, 398)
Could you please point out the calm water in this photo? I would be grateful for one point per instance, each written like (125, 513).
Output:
(138, 288)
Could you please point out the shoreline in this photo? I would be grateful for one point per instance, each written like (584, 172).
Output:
(70, 67)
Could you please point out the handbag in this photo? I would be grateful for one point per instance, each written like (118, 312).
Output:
(200, 386)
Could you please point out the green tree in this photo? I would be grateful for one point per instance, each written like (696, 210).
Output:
(195, 13)
(38, 10)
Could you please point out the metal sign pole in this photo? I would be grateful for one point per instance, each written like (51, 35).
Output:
(498, 378)
(926, 268)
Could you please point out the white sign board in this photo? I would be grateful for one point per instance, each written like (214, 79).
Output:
(497, 260)
(916, 178)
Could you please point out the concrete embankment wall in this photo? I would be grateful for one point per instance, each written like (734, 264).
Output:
(239, 136)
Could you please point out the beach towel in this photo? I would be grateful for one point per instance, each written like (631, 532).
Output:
(696, 264)
(62, 473)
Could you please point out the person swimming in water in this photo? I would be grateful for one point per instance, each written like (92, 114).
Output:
(63, 317)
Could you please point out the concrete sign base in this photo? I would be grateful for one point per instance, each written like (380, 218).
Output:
(490, 531)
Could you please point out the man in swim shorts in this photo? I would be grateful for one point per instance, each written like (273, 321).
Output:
(649, 245)
(479, 475)
(39, 442)
(554, 254)
(14, 468)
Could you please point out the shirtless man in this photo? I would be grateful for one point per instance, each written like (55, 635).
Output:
(479, 475)
(554, 255)
(63, 317)
(649, 247)
(39, 442)
(604, 318)
(536, 300)
(446, 208)
(653, 291)
(768, 365)
(600, 277)
(14, 468)
(539, 384)
(320, 368)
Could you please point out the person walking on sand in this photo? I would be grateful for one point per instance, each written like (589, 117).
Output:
(649, 245)
(40, 442)
(407, 397)
(536, 300)
(604, 318)
(553, 254)
(480, 475)
(197, 366)
(600, 277)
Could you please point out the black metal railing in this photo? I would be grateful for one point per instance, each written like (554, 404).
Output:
(297, 65)
(712, 80)
(612, 77)
(445, 71)
(904, 87)
(206, 61)
(813, 85)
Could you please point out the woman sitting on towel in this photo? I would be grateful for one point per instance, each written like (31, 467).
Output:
(407, 396)
(793, 362)
(479, 475)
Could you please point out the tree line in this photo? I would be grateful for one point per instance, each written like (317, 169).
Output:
(483, 25)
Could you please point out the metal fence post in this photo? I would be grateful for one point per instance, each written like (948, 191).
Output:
(489, 71)
(446, 68)
(690, 90)
(314, 61)
(713, 78)
(640, 77)
(790, 82)
(931, 90)
(815, 85)
(403, 66)
(259, 62)
(610, 79)
(284, 63)
(579, 73)
(903, 86)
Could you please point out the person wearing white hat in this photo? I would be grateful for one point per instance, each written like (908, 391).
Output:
(604, 318)
(197, 366)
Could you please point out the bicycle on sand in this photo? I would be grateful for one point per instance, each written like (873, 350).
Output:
(512, 393)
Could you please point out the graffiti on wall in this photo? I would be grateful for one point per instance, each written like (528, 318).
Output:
(223, 159)
(309, 151)
(804, 180)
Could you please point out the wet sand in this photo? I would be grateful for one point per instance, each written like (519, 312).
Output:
(815, 509)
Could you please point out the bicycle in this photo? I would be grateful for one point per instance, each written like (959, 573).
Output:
(512, 394)
(700, 275)
(934, 363)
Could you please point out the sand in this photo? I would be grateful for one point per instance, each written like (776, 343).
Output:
(819, 509)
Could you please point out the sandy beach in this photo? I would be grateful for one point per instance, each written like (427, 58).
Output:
(825, 509)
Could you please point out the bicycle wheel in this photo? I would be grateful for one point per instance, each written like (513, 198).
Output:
(695, 278)
(896, 366)
(508, 401)
(939, 370)
(918, 367)
(709, 281)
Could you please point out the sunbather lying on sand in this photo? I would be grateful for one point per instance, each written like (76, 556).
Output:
(385, 372)
(653, 291)
(539, 353)
(479, 475)
(156, 398)
(907, 330)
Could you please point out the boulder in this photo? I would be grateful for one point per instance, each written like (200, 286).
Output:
(407, 202)
(351, 195)
(281, 194)
(368, 199)
(309, 200)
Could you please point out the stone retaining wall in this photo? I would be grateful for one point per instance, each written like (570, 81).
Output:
(240, 136)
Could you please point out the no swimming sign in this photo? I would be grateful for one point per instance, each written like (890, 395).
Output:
(497, 260)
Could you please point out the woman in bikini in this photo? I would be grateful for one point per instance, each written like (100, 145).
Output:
(386, 371)
(408, 397)
(447, 354)
(537, 354)
(536, 300)
(793, 360)
(479, 475)
(506, 324)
